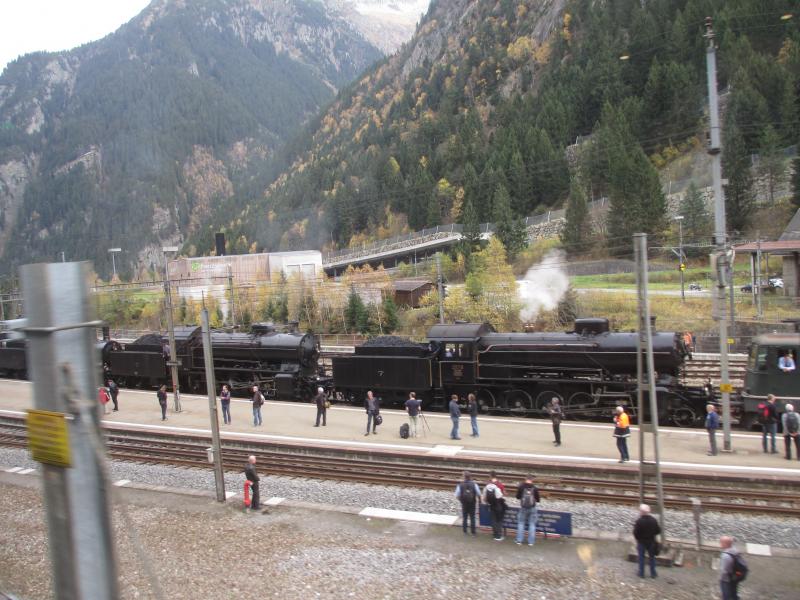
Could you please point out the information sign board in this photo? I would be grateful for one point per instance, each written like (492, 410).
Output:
(48, 439)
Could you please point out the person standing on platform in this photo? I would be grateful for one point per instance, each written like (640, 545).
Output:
(372, 406)
(468, 492)
(413, 409)
(103, 399)
(528, 496)
(225, 401)
(729, 575)
(712, 424)
(472, 406)
(455, 415)
(493, 498)
(113, 390)
(161, 394)
(645, 531)
(252, 476)
(622, 431)
(556, 413)
(791, 426)
(321, 401)
(768, 418)
(258, 402)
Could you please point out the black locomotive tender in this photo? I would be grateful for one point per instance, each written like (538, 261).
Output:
(589, 369)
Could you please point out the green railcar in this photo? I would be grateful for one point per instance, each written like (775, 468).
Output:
(764, 374)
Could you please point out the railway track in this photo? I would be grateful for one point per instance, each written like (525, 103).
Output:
(595, 485)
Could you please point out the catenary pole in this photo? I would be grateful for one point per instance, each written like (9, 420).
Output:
(233, 306)
(173, 361)
(720, 258)
(640, 346)
(757, 282)
(645, 323)
(440, 286)
(63, 367)
(211, 386)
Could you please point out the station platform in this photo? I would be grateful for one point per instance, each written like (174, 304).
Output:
(583, 443)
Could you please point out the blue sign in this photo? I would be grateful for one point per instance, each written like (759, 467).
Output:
(549, 522)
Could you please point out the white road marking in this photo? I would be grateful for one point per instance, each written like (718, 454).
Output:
(229, 495)
(405, 515)
(274, 501)
(122, 482)
(14, 470)
(445, 450)
(25, 471)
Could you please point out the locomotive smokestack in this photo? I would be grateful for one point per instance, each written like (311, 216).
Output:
(219, 239)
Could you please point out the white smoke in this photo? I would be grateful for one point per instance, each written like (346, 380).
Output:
(543, 285)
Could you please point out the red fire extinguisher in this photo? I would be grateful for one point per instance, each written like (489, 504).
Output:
(247, 485)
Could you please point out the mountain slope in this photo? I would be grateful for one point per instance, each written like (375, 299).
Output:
(132, 141)
(483, 106)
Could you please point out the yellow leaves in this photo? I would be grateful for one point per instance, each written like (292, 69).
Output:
(458, 204)
(271, 215)
(787, 49)
(423, 161)
(394, 166)
(566, 34)
(521, 11)
(543, 52)
(520, 49)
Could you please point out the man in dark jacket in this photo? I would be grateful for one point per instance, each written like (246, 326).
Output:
(468, 492)
(455, 415)
(645, 531)
(556, 415)
(768, 416)
(528, 496)
(372, 406)
(321, 400)
(258, 401)
(113, 390)
(252, 476)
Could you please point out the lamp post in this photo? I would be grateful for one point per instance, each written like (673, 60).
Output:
(681, 263)
(173, 361)
(113, 251)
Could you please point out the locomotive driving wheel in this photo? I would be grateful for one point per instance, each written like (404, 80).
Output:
(576, 407)
(544, 398)
(518, 401)
(684, 416)
(486, 400)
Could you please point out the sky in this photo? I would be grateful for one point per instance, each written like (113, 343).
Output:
(53, 25)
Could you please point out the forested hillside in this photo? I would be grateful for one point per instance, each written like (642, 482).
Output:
(135, 140)
(478, 116)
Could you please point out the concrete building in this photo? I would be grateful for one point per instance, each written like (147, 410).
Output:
(246, 268)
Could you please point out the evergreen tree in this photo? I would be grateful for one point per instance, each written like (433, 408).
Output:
(772, 162)
(697, 225)
(470, 234)
(577, 233)
(390, 318)
(355, 313)
(796, 182)
(739, 199)
(510, 231)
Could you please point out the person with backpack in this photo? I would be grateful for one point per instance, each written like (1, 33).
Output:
(732, 569)
(252, 476)
(413, 409)
(468, 492)
(645, 531)
(528, 496)
(258, 402)
(768, 419)
(493, 498)
(791, 426)
(712, 424)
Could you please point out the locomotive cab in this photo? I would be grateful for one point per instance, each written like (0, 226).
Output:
(767, 374)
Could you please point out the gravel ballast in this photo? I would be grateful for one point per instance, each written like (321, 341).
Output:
(775, 531)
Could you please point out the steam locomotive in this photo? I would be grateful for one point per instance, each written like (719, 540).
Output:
(590, 370)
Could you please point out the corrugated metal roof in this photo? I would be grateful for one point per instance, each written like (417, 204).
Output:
(409, 285)
(777, 247)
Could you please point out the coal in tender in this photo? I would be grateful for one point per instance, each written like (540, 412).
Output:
(391, 345)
